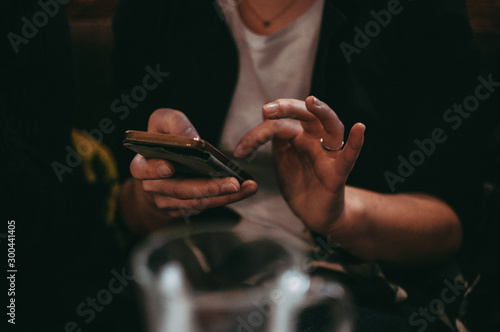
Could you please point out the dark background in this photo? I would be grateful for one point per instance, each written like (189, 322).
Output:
(90, 22)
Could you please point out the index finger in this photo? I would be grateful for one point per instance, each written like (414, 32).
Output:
(333, 128)
(292, 109)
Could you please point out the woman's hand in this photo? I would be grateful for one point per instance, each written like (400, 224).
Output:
(165, 197)
(408, 228)
(312, 178)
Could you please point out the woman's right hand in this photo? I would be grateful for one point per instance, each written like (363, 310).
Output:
(170, 198)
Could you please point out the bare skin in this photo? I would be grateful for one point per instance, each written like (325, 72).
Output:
(399, 228)
(413, 229)
(392, 228)
(153, 199)
(268, 9)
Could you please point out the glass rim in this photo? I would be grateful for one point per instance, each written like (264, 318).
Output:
(233, 298)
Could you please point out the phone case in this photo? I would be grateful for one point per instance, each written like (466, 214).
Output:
(191, 157)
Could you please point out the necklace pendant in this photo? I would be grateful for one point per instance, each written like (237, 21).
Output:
(266, 23)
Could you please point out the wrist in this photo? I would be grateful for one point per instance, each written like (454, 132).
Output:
(353, 225)
(125, 215)
(137, 207)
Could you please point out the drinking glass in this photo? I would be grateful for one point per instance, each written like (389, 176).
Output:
(218, 280)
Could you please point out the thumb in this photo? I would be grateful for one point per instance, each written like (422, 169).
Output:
(169, 121)
(348, 156)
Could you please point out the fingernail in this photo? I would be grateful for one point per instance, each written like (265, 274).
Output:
(271, 109)
(229, 187)
(164, 170)
(317, 102)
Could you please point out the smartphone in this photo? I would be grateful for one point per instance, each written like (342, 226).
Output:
(191, 157)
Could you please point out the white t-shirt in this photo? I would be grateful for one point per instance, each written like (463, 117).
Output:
(271, 67)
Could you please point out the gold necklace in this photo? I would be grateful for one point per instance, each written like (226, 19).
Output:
(268, 22)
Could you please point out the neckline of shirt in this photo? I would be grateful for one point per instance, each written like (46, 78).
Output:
(302, 25)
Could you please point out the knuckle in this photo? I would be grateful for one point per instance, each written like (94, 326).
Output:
(282, 102)
(341, 127)
(286, 103)
(176, 117)
(157, 115)
(265, 134)
(201, 204)
(212, 190)
(278, 124)
(245, 141)
(178, 191)
(250, 145)
(181, 190)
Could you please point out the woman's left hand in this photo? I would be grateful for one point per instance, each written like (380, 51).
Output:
(312, 179)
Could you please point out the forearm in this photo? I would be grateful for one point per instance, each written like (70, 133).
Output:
(410, 228)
